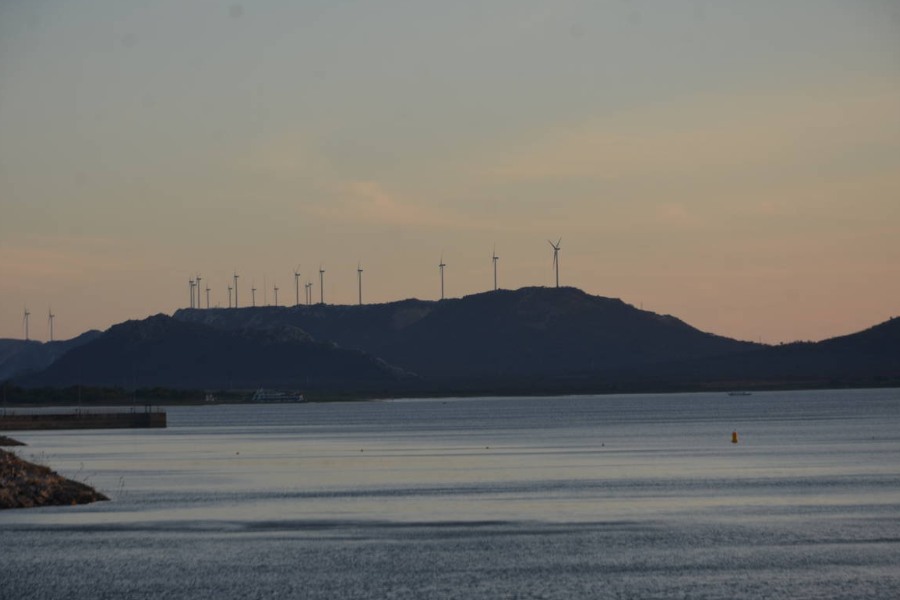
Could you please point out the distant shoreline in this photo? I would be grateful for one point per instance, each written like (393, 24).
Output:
(43, 397)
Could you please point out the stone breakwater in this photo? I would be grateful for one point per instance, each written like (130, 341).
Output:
(25, 485)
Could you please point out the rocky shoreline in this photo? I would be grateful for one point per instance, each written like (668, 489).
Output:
(26, 485)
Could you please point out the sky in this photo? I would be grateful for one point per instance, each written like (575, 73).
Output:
(735, 164)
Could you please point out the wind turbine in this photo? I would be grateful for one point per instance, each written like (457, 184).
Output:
(556, 258)
(207, 296)
(235, 288)
(494, 259)
(229, 296)
(197, 284)
(50, 317)
(191, 289)
(253, 293)
(297, 285)
(308, 285)
(25, 322)
(276, 294)
(441, 266)
(359, 272)
(321, 285)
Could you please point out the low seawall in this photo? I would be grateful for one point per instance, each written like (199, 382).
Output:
(82, 420)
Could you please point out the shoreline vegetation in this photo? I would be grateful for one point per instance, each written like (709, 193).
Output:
(24, 484)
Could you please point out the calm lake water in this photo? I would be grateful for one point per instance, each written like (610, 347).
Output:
(640, 496)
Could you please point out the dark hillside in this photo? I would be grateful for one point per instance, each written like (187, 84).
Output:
(869, 357)
(18, 357)
(502, 334)
(162, 351)
(535, 340)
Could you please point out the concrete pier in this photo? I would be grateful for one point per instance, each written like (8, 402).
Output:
(82, 419)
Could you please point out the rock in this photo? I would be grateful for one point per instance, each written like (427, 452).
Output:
(25, 485)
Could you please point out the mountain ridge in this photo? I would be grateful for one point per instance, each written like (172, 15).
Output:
(163, 351)
(523, 341)
(18, 357)
(504, 333)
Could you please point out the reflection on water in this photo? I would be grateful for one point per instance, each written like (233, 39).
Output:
(553, 497)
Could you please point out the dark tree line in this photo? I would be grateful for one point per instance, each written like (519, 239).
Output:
(81, 394)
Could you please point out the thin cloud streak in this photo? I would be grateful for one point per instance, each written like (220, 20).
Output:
(59, 258)
(707, 137)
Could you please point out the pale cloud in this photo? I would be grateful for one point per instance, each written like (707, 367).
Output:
(843, 202)
(33, 259)
(768, 208)
(370, 202)
(331, 196)
(709, 137)
(287, 157)
(676, 214)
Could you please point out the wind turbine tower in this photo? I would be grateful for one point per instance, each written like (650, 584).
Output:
(359, 272)
(197, 284)
(191, 290)
(229, 296)
(308, 285)
(556, 258)
(235, 289)
(207, 296)
(276, 294)
(297, 286)
(50, 317)
(25, 322)
(494, 259)
(441, 266)
(253, 294)
(321, 285)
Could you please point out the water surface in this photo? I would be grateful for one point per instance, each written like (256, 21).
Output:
(608, 496)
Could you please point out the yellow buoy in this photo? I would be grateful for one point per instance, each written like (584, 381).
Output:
(734, 437)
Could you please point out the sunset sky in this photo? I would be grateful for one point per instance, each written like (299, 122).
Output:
(733, 163)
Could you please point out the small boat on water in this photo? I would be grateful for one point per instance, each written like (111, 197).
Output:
(271, 396)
